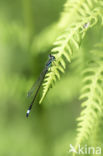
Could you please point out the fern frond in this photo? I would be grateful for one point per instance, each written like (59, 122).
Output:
(77, 8)
(65, 45)
(72, 8)
(92, 93)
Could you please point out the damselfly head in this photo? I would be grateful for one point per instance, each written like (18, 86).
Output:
(51, 57)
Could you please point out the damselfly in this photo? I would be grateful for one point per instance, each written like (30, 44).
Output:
(39, 83)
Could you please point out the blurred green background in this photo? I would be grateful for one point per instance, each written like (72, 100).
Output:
(24, 48)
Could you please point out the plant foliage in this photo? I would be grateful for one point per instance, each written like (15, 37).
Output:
(91, 94)
(89, 14)
(64, 45)
(76, 41)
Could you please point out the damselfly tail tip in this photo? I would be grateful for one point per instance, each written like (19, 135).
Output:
(27, 113)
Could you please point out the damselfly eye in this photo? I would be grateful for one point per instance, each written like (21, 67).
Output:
(51, 57)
